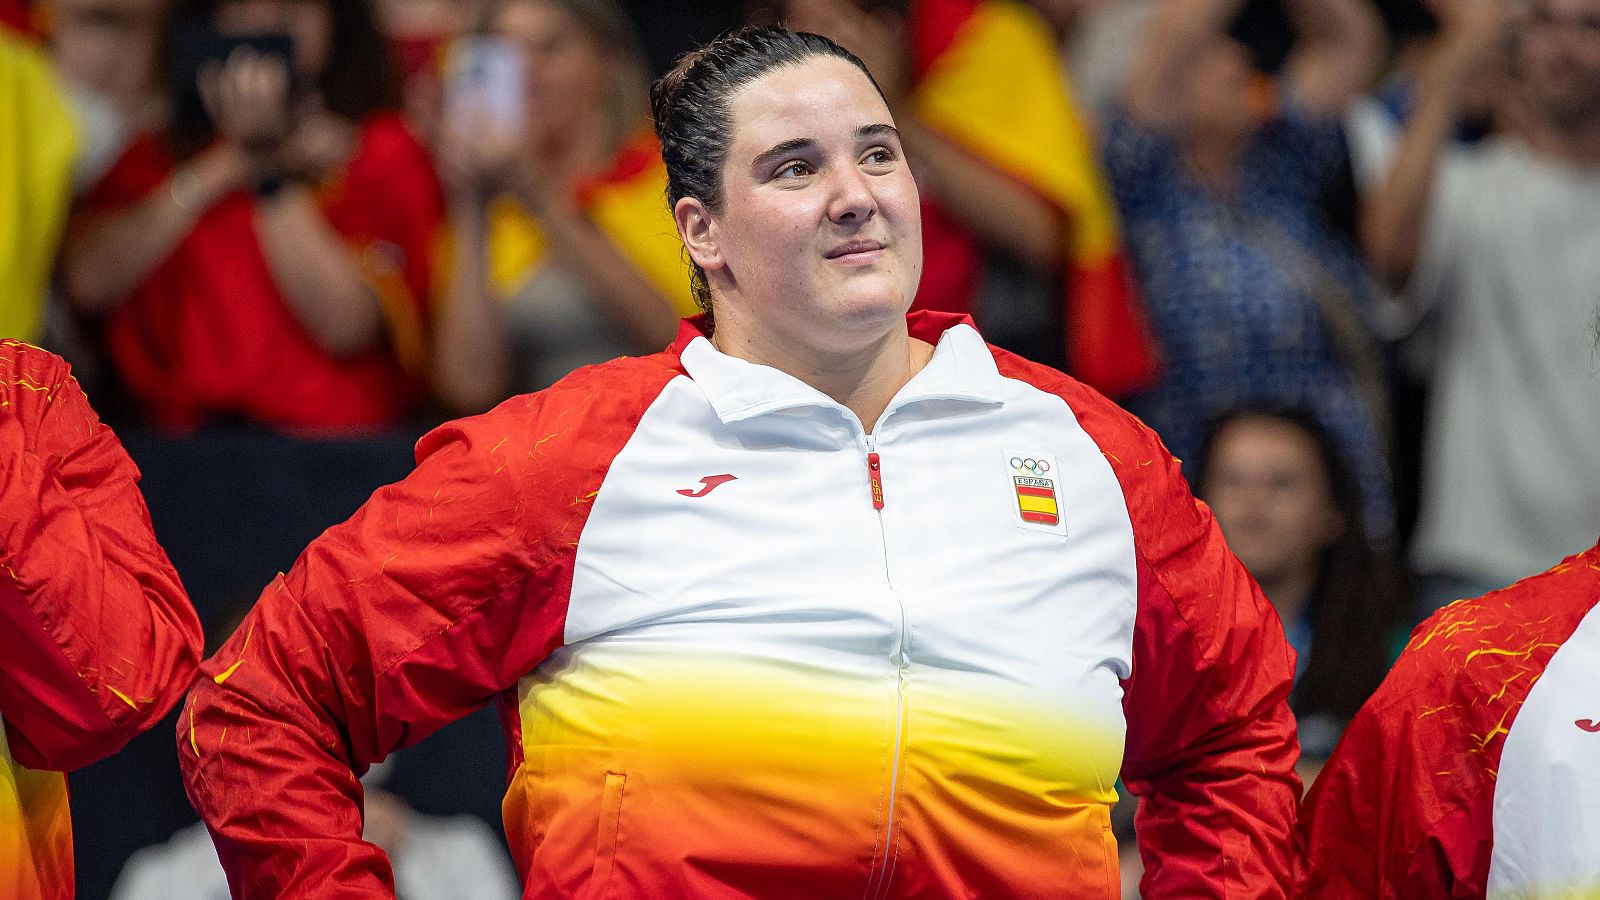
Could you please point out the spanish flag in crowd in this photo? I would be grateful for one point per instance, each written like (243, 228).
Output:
(986, 76)
(625, 202)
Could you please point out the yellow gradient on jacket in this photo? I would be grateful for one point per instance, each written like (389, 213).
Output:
(35, 832)
(731, 774)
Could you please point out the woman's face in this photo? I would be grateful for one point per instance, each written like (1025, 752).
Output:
(566, 72)
(308, 24)
(1266, 484)
(819, 241)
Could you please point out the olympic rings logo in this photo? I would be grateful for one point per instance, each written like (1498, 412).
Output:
(1035, 466)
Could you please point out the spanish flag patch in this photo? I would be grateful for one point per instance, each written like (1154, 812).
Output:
(1036, 500)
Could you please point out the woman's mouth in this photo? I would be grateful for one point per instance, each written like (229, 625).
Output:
(857, 251)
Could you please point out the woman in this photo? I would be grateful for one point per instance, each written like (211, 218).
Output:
(948, 594)
(266, 257)
(561, 253)
(1291, 512)
(1218, 175)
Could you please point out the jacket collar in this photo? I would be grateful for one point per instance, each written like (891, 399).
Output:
(962, 369)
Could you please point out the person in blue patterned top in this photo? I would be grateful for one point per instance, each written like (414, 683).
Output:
(1254, 299)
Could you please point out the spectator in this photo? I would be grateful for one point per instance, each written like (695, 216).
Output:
(434, 858)
(98, 638)
(106, 53)
(1017, 219)
(561, 251)
(1291, 512)
(38, 143)
(1504, 240)
(267, 256)
(1255, 300)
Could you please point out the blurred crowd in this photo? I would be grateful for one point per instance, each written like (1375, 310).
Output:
(1341, 255)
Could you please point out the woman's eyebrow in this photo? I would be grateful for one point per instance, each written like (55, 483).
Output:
(772, 154)
(867, 132)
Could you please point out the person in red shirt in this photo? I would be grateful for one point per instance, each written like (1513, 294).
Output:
(97, 636)
(266, 256)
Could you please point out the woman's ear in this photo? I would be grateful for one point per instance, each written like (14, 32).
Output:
(699, 233)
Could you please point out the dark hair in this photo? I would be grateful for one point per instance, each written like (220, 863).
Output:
(360, 77)
(1360, 599)
(692, 118)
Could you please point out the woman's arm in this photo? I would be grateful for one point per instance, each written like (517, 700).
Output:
(471, 368)
(1338, 45)
(1393, 216)
(106, 256)
(1000, 210)
(316, 272)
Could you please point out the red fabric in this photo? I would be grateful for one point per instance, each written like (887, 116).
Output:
(1109, 342)
(208, 334)
(1211, 742)
(89, 605)
(1404, 808)
(434, 597)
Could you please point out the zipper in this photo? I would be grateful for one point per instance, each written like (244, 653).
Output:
(878, 883)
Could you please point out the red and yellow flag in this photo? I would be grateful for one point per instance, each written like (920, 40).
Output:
(987, 77)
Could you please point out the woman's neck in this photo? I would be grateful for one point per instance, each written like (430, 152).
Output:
(862, 379)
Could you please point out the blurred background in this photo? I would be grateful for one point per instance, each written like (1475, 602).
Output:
(1340, 254)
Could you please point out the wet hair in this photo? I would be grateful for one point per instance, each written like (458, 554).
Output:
(692, 118)
(359, 79)
(1360, 598)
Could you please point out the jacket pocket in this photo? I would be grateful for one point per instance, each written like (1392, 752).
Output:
(605, 855)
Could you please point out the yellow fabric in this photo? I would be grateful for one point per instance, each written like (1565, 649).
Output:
(38, 141)
(632, 213)
(998, 92)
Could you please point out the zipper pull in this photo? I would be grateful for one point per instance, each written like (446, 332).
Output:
(875, 473)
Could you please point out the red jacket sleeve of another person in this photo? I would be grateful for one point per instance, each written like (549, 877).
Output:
(97, 637)
(439, 593)
(1211, 742)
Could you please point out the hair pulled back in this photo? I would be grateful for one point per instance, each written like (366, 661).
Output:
(692, 119)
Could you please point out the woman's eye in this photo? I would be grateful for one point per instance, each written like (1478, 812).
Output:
(880, 157)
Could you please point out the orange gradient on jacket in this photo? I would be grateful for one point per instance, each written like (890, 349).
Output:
(35, 833)
(651, 771)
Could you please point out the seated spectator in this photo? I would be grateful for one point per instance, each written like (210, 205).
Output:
(562, 252)
(1503, 240)
(434, 858)
(1017, 219)
(266, 256)
(1255, 300)
(1291, 513)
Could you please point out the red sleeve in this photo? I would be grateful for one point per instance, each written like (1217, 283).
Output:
(441, 591)
(97, 635)
(1364, 836)
(1211, 743)
(1405, 806)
